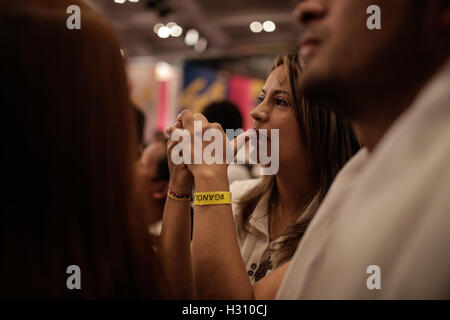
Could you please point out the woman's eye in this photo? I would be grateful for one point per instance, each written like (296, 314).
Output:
(280, 102)
(260, 99)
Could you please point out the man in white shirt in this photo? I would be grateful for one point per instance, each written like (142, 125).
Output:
(383, 231)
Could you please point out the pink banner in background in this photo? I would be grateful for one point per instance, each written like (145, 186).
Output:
(240, 93)
(162, 105)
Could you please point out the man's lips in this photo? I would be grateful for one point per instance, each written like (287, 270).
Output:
(308, 44)
(307, 40)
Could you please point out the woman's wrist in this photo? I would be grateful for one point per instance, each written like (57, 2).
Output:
(180, 187)
(209, 172)
(209, 180)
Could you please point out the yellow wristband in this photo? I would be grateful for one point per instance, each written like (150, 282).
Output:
(178, 199)
(208, 198)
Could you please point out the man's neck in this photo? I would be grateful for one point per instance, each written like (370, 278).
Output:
(382, 111)
(370, 131)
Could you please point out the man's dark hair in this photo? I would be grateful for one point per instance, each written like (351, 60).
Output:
(225, 113)
(140, 124)
(163, 173)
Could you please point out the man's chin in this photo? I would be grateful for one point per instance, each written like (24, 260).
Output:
(311, 78)
(314, 67)
(318, 85)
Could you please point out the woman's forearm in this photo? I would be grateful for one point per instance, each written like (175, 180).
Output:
(175, 249)
(218, 266)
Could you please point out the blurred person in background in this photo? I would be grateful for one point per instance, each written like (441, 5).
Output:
(140, 126)
(68, 149)
(154, 177)
(159, 136)
(227, 114)
(234, 248)
(224, 112)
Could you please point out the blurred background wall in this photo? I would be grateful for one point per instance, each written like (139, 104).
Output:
(189, 53)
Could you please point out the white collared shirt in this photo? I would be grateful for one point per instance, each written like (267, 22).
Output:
(390, 210)
(258, 252)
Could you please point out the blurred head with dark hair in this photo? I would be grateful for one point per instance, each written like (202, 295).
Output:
(140, 126)
(225, 113)
(68, 148)
(371, 76)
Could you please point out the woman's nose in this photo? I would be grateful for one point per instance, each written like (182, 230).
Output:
(260, 113)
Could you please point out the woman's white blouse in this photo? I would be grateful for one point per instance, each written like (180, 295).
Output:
(258, 253)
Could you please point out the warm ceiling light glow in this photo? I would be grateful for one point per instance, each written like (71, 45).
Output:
(163, 71)
(191, 37)
(201, 45)
(256, 26)
(171, 24)
(133, 0)
(156, 27)
(269, 26)
(176, 31)
(163, 32)
(119, 1)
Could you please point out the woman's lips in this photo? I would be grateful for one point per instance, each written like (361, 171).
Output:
(262, 136)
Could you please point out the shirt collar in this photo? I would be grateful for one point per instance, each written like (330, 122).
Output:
(260, 217)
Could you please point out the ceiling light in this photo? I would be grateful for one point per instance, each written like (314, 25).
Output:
(156, 27)
(163, 32)
(191, 37)
(163, 71)
(269, 26)
(201, 45)
(133, 0)
(171, 24)
(176, 31)
(256, 26)
(119, 1)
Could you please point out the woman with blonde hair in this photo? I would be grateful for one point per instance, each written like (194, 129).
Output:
(236, 246)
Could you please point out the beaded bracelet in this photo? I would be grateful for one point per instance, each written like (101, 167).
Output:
(186, 197)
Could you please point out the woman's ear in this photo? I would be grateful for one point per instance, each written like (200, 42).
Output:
(161, 190)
